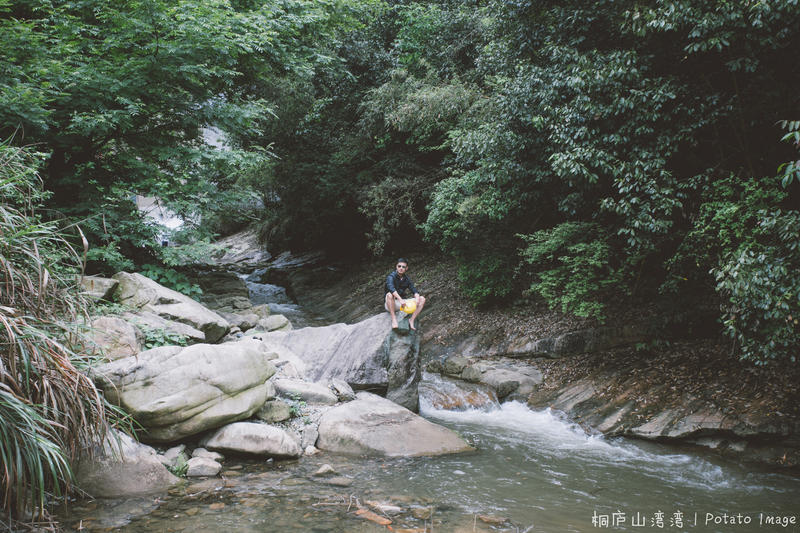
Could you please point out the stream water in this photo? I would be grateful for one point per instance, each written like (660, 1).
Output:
(532, 471)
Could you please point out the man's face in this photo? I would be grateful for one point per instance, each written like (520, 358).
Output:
(402, 268)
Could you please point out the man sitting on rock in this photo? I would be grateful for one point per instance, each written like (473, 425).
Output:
(396, 286)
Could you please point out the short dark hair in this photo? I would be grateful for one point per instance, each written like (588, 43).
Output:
(402, 260)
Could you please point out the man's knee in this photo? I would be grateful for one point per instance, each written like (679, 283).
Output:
(421, 301)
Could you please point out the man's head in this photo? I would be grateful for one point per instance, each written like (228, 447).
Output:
(401, 265)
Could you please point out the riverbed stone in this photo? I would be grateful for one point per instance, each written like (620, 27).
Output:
(471, 374)
(243, 321)
(116, 337)
(122, 467)
(309, 435)
(98, 288)
(174, 456)
(274, 411)
(141, 292)
(342, 390)
(175, 392)
(260, 310)
(367, 354)
(453, 366)
(373, 425)
(254, 439)
(325, 470)
(510, 384)
(303, 390)
(208, 454)
(274, 323)
(202, 466)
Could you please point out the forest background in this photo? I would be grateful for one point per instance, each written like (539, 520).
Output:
(574, 152)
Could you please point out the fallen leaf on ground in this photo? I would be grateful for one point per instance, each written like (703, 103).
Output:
(369, 515)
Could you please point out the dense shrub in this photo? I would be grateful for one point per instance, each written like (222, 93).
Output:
(48, 407)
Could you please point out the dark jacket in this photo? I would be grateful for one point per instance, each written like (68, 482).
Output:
(395, 283)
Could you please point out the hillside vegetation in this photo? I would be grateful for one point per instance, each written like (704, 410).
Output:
(568, 152)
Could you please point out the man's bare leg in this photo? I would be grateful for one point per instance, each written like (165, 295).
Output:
(420, 305)
(390, 307)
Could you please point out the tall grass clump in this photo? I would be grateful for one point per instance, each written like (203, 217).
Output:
(48, 408)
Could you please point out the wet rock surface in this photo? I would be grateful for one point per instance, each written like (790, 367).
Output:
(374, 425)
(254, 439)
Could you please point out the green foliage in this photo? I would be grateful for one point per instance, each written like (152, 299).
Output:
(296, 405)
(49, 409)
(172, 279)
(727, 216)
(790, 171)
(573, 268)
(762, 290)
(359, 125)
(180, 467)
(119, 95)
(155, 337)
(34, 462)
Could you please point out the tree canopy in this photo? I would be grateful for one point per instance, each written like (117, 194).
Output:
(578, 152)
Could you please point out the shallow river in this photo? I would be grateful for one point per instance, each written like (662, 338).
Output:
(533, 469)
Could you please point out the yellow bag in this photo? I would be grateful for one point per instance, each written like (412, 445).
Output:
(409, 306)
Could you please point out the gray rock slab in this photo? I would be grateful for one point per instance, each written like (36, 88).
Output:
(208, 454)
(142, 292)
(149, 320)
(274, 411)
(202, 466)
(342, 390)
(274, 323)
(115, 337)
(254, 439)
(308, 392)
(175, 392)
(244, 321)
(365, 354)
(373, 425)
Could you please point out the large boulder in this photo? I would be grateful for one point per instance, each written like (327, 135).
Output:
(175, 392)
(254, 439)
(122, 467)
(115, 337)
(365, 355)
(141, 292)
(373, 425)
